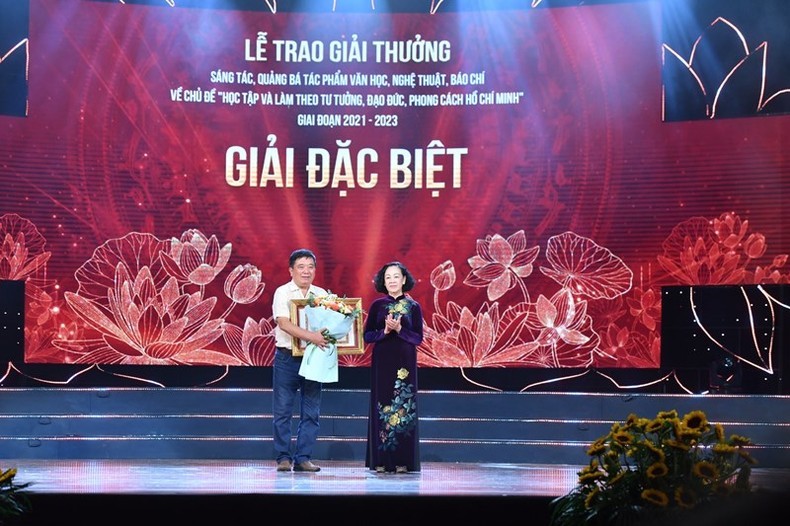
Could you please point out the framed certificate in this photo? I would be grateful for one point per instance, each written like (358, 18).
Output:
(352, 343)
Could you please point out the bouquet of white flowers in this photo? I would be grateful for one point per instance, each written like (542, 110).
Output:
(337, 319)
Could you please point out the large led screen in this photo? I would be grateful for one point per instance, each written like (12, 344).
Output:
(542, 168)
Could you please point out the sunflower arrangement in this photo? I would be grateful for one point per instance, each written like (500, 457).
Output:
(647, 470)
(13, 497)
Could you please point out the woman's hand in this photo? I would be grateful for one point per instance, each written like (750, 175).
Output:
(391, 323)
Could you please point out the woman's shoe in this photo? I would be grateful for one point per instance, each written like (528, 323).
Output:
(380, 469)
(401, 469)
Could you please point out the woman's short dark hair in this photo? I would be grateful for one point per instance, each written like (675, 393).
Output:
(378, 281)
(301, 253)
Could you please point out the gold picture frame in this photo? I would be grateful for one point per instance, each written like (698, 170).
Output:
(352, 343)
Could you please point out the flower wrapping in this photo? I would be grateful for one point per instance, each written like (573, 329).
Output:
(321, 365)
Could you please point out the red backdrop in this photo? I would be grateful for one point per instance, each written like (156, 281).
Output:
(516, 160)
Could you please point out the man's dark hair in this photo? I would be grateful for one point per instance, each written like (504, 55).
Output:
(378, 281)
(301, 253)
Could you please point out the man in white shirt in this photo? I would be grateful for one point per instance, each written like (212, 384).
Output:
(285, 376)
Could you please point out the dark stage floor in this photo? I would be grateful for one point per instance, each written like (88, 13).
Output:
(223, 477)
(251, 492)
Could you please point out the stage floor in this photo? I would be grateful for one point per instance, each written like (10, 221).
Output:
(221, 492)
(223, 477)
